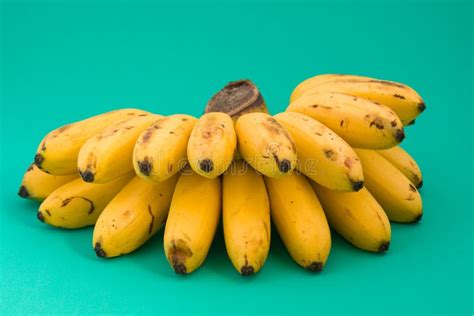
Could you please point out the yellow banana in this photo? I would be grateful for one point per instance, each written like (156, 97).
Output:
(192, 221)
(357, 217)
(212, 144)
(37, 185)
(78, 204)
(135, 214)
(237, 98)
(160, 151)
(109, 154)
(402, 99)
(360, 122)
(265, 144)
(322, 155)
(310, 83)
(395, 193)
(405, 163)
(246, 218)
(300, 220)
(57, 152)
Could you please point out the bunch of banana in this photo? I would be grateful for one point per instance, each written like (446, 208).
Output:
(331, 160)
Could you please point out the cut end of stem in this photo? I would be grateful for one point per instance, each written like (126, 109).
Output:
(237, 98)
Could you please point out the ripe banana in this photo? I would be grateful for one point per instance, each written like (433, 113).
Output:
(37, 185)
(360, 122)
(57, 152)
(322, 155)
(357, 217)
(300, 220)
(237, 98)
(135, 214)
(265, 144)
(160, 151)
(389, 186)
(109, 154)
(405, 163)
(310, 83)
(78, 204)
(403, 100)
(192, 221)
(246, 218)
(212, 144)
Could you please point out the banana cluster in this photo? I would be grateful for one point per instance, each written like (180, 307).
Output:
(331, 160)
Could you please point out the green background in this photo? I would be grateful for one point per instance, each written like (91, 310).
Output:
(65, 62)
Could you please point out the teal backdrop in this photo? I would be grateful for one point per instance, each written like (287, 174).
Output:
(64, 62)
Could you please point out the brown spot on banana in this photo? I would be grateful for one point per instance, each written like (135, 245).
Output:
(412, 187)
(68, 200)
(330, 154)
(47, 212)
(39, 160)
(150, 228)
(377, 122)
(399, 96)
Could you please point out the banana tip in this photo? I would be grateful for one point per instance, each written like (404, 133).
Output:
(418, 218)
(179, 268)
(315, 267)
(421, 106)
(87, 176)
(247, 270)
(40, 216)
(384, 247)
(99, 251)
(284, 165)
(357, 185)
(420, 184)
(399, 135)
(206, 165)
(23, 192)
(145, 167)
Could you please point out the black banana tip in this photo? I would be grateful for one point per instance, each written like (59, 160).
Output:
(40, 216)
(420, 184)
(421, 106)
(39, 160)
(247, 270)
(357, 185)
(87, 176)
(99, 251)
(145, 167)
(206, 165)
(23, 192)
(399, 135)
(284, 166)
(179, 268)
(411, 122)
(315, 267)
(384, 247)
(418, 218)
